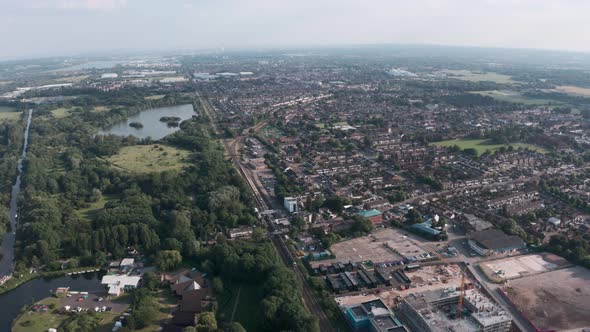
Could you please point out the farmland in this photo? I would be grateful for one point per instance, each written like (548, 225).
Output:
(473, 76)
(9, 114)
(149, 158)
(483, 145)
(574, 90)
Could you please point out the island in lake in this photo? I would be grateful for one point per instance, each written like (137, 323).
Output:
(136, 125)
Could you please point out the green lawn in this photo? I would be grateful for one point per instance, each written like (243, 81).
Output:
(473, 76)
(149, 158)
(39, 321)
(9, 114)
(248, 309)
(482, 145)
(89, 212)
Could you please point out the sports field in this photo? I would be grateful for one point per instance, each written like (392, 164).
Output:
(482, 145)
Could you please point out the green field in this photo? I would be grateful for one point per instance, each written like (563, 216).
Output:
(513, 97)
(473, 76)
(247, 311)
(482, 145)
(149, 158)
(89, 212)
(9, 114)
(39, 321)
(61, 112)
(155, 97)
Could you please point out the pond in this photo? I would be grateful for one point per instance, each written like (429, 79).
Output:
(40, 288)
(150, 119)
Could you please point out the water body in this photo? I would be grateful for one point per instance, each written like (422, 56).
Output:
(7, 261)
(38, 289)
(150, 119)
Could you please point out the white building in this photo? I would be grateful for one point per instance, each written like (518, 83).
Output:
(290, 204)
(117, 284)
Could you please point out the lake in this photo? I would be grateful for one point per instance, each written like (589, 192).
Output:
(150, 119)
(38, 289)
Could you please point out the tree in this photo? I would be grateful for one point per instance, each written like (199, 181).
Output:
(168, 260)
(206, 322)
(414, 217)
(236, 327)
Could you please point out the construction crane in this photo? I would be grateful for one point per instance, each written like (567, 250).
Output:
(461, 295)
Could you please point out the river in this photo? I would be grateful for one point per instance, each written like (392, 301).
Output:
(7, 261)
(38, 289)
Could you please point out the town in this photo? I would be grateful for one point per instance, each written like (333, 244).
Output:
(339, 191)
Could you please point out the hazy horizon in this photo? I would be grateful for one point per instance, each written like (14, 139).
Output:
(38, 28)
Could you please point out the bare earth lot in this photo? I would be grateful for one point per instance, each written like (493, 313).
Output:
(557, 300)
(521, 266)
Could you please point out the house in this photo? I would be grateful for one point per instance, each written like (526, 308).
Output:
(117, 284)
(374, 215)
(241, 232)
(290, 204)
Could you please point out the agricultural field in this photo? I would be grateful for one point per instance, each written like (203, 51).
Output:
(514, 97)
(473, 76)
(574, 90)
(149, 158)
(482, 145)
(9, 114)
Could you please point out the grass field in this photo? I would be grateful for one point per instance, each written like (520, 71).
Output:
(247, 311)
(149, 158)
(574, 90)
(482, 145)
(89, 212)
(71, 79)
(513, 97)
(60, 112)
(155, 97)
(39, 321)
(472, 76)
(9, 114)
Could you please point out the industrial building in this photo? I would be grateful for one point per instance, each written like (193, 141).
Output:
(492, 241)
(436, 311)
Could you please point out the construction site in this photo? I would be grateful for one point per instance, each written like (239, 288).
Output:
(383, 246)
(522, 266)
(555, 300)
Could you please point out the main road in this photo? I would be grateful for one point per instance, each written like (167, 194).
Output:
(232, 147)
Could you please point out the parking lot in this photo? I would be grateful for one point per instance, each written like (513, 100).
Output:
(75, 301)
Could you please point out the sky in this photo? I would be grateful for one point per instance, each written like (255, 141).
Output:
(31, 28)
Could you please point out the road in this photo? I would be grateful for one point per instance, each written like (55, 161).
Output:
(232, 147)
